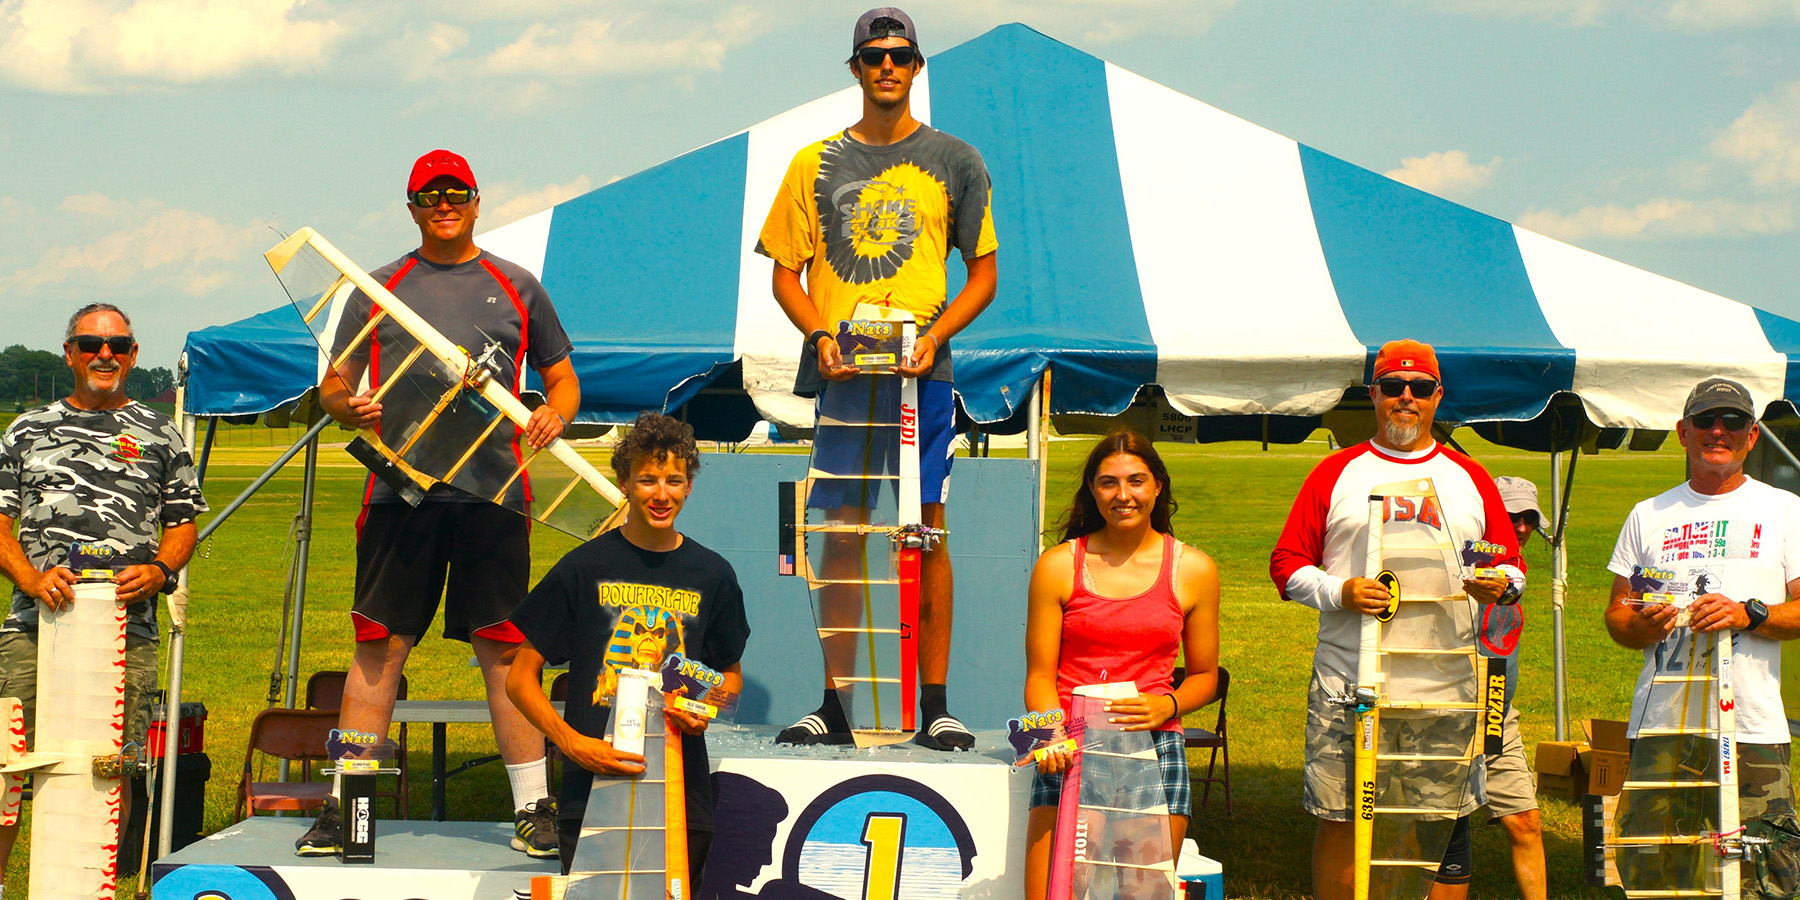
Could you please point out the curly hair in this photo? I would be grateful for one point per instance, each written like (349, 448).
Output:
(659, 436)
(1083, 516)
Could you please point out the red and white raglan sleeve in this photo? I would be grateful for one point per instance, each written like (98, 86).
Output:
(1497, 522)
(1295, 564)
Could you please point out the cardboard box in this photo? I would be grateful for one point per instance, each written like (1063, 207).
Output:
(1559, 769)
(1608, 734)
(1605, 771)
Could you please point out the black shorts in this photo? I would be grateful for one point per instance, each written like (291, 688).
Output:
(403, 554)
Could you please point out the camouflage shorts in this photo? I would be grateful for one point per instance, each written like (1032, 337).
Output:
(1511, 788)
(18, 678)
(1765, 792)
(1331, 759)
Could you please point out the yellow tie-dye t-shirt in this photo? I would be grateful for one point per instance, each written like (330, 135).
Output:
(875, 224)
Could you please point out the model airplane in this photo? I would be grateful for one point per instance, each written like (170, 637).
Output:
(1112, 821)
(854, 530)
(633, 843)
(80, 761)
(1417, 699)
(466, 408)
(1675, 831)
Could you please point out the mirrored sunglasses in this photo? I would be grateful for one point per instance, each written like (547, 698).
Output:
(429, 199)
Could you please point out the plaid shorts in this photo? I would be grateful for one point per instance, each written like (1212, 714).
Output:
(1177, 786)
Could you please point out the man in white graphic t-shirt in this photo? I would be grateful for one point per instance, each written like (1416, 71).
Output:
(1734, 544)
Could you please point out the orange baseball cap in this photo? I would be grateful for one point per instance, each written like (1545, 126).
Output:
(1406, 355)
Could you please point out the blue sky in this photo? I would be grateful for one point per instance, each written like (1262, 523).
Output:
(153, 147)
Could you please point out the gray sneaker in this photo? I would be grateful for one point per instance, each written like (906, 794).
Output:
(326, 836)
(534, 829)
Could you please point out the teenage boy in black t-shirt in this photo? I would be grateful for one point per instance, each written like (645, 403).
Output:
(630, 598)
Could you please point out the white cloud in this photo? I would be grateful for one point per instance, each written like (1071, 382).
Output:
(1766, 138)
(1684, 15)
(519, 205)
(594, 46)
(1577, 13)
(1715, 15)
(180, 248)
(1665, 218)
(421, 52)
(12, 210)
(1077, 21)
(89, 45)
(1446, 171)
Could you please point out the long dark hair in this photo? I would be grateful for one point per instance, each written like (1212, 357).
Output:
(1083, 516)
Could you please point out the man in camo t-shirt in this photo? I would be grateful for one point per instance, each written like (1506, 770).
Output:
(95, 467)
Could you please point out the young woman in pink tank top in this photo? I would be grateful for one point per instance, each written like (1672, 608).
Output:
(1116, 601)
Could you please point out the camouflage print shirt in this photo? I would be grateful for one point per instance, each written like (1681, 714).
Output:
(115, 477)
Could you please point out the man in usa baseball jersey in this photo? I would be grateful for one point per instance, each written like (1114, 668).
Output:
(1318, 561)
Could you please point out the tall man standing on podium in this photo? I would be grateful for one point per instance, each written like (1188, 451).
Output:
(403, 552)
(870, 214)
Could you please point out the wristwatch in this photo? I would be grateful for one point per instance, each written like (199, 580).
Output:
(812, 340)
(1510, 595)
(168, 585)
(1758, 612)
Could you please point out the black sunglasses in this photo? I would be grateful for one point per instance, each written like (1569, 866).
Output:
(429, 199)
(1733, 421)
(902, 56)
(1394, 387)
(120, 344)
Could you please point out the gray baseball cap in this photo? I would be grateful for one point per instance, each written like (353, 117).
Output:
(865, 27)
(1519, 495)
(1719, 393)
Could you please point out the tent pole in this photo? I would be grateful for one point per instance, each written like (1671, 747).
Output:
(311, 435)
(212, 429)
(302, 544)
(1775, 442)
(1037, 437)
(1561, 485)
(165, 802)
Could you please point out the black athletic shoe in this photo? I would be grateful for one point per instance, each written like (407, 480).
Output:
(534, 829)
(945, 733)
(811, 730)
(326, 836)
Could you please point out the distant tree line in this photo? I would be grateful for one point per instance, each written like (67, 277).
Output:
(34, 377)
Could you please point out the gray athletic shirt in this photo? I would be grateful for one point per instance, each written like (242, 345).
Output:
(484, 301)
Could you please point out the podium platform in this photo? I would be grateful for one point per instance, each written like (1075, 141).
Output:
(806, 821)
(790, 822)
(254, 860)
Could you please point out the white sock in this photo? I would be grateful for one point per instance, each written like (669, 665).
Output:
(530, 783)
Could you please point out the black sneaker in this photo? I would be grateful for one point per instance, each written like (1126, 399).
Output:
(534, 829)
(945, 733)
(326, 836)
(811, 730)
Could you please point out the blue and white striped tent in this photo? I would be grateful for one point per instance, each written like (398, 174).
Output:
(1145, 238)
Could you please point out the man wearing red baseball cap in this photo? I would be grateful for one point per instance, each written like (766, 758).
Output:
(1319, 561)
(406, 555)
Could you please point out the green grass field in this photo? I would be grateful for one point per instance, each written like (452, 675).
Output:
(1233, 499)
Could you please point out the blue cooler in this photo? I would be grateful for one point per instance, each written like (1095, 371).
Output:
(1201, 878)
